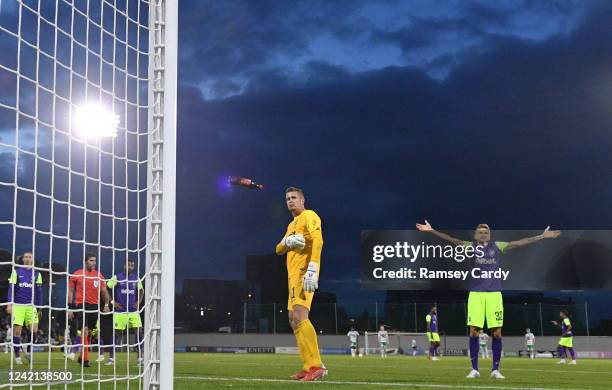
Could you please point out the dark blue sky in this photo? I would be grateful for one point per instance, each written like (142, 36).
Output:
(384, 112)
(387, 113)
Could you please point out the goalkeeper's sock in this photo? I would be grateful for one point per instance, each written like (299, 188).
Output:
(311, 346)
(300, 343)
(431, 351)
(572, 353)
(17, 345)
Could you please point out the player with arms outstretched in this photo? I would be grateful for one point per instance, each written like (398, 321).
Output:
(566, 342)
(530, 342)
(383, 341)
(485, 298)
(25, 293)
(303, 243)
(483, 338)
(432, 332)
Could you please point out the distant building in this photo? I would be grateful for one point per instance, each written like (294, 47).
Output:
(269, 272)
(208, 305)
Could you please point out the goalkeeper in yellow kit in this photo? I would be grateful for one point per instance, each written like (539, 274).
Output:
(303, 243)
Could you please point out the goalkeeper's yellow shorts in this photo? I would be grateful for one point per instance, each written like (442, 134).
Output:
(297, 295)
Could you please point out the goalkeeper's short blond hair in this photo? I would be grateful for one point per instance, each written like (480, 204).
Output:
(295, 189)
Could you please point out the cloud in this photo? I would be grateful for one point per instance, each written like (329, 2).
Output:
(514, 136)
(226, 46)
(385, 115)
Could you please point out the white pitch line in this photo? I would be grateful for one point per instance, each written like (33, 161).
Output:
(426, 367)
(387, 384)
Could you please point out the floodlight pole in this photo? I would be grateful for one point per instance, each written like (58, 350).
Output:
(375, 317)
(336, 316)
(416, 320)
(586, 315)
(244, 318)
(541, 320)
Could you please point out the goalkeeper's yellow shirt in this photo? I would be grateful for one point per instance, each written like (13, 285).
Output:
(307, 224)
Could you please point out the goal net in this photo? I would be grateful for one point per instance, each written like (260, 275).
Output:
(87, 193)
(400, 343)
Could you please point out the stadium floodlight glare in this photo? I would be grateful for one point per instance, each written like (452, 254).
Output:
(95, 121)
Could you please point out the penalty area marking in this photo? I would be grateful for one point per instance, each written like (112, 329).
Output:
(388, 384)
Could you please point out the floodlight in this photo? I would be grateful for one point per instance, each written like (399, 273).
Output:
(95, 121)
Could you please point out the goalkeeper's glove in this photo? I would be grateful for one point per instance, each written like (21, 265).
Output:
(311, 280)
(294, 241)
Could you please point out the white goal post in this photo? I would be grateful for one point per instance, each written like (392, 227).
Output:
(399, 342)
(163, 71)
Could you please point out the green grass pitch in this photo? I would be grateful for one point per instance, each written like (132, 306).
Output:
(270, 371)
